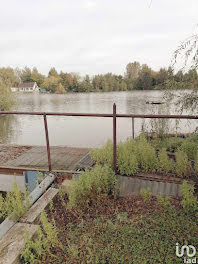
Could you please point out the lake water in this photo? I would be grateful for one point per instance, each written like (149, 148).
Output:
(79, 131)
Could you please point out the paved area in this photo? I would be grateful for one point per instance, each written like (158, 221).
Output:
(62, 157)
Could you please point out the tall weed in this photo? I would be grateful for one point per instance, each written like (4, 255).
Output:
(127, 161)
(14, 202)
(146, 155)
(183, 166)
(189, 202)
(104, 155)
(166, 165)
(92, 186)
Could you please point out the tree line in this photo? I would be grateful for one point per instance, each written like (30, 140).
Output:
(136, 77)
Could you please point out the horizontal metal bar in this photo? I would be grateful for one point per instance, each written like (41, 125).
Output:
(102, 115)
(21, 169)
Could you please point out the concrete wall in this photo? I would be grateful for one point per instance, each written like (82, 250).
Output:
(6, 182)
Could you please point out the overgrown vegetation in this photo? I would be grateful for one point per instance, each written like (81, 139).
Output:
(92, 187)
(164, 201)
(13, 202)
(40, 248)
(145, 239)
(142, 155)
(189, 202)
(183, 166)
(146, 195)
(166, 164)
(126, 235)
(7, 99)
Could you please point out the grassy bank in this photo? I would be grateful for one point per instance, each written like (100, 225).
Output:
(122, 230)
(96, 226)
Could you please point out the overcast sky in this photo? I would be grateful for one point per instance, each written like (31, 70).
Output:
(93, 36)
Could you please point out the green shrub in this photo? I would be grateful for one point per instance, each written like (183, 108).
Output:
(183, 166)
(14, 202)
(164, 201)
(146, 195)
(47, 237)
(146, 155)
(149, 239)
(196, 165)
(92, 185)
(171, 144)
(189, 202)
(104, 155)
(165, 164)
(190, 148)
(193, 138)
(127, 158)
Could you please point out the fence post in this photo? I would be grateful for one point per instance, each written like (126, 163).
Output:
(114, 139)
(47, 142)
(133, 132)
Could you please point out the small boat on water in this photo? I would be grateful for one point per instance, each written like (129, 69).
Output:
(154, 100)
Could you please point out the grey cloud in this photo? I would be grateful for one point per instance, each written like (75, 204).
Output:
(93, 36)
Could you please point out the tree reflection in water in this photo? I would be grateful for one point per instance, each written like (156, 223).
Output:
(8, 128)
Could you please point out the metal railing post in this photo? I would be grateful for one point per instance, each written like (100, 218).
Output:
(47, 142)
(133, 132)
(114, 139)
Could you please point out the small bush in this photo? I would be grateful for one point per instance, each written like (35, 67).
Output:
(189, 202)
(196, 165)
(183, 166)
(165, 163)
(193, 138)
(190, 148)
(146, 195)
(104, 155)
(14, 202)
(171, 144)
(164, 201)
(146, 155)
(127, 158)
(47, 237)
(92, 185)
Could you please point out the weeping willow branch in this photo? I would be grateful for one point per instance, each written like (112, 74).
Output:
(189, 51)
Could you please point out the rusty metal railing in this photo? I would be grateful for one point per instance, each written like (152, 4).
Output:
(114, 116)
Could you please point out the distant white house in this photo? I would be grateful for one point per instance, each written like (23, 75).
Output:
(28, 87)
(14, 89)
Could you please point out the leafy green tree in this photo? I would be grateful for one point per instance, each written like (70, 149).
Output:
(133, 70)
(131, 75)
(60, 89)
(26, 74)
(9, 77)
(37, 77)
(53, 72)
(66, 80)
(86, 85)
(51, 83)
(145, 79)
(161, 76)
(6, 97)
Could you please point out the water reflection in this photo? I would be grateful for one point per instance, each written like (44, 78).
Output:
(9, 128)
(81, 131)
